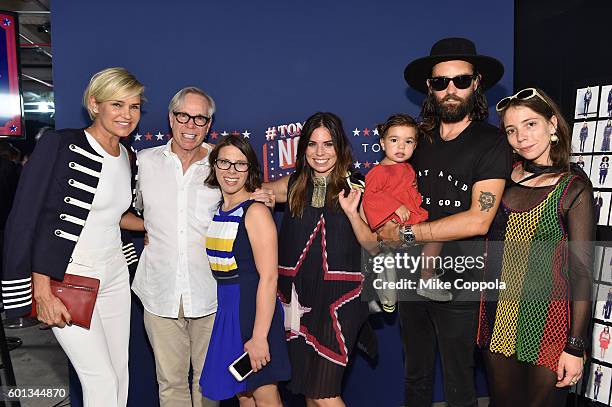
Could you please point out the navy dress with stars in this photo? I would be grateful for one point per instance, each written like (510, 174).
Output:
(319, 285)
(231, 261)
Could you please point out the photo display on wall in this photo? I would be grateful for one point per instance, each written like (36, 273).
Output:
(600, 171)
(601, 342)
(602, 136)
(591, 146)
(603, 305)
(583, 136)
(605, 275)
(605, 102)
(591, 149)
(596, 383)
(584, 162)
(598, 388)
(586, 102)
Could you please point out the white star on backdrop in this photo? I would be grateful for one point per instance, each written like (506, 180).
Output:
(375, 133)
(356, 132)
(294, 311)
(357, 164)
(225, 133)
(376, 162)
(159, 136)
(246, 134)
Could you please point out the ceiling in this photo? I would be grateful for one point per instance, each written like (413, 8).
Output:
(35, 43)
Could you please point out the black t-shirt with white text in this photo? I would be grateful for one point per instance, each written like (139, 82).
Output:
(446, 172)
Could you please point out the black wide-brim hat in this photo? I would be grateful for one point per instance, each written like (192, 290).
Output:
(449, 49)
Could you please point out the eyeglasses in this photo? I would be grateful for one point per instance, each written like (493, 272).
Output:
(524, 94)
(439, 83)
(184, 118)
(239, 166)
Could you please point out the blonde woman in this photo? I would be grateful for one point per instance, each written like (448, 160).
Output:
(65, 219)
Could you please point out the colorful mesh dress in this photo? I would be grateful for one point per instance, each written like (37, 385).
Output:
(231, 261)
(319, 286)
(540, 245)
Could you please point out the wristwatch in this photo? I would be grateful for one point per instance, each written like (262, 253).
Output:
(406, 235)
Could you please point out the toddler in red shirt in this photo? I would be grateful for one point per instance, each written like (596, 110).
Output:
(391, 194)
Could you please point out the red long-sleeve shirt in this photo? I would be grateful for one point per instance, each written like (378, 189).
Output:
(387, 188)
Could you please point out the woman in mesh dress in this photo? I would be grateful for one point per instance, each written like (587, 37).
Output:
(539, 245)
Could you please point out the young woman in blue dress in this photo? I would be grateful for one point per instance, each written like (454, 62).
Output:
(242, 249)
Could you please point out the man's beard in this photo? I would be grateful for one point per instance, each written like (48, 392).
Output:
(454, 113)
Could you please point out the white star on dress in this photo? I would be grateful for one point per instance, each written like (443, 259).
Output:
(159, 136)
(356, 132)
(357, 164)
(137, 137)
(294, 311)
(246, 134)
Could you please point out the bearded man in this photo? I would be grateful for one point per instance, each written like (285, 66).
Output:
(461, 163)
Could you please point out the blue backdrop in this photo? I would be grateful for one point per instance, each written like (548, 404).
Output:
(269, 65)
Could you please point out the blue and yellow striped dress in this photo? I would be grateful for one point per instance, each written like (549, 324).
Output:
(233, 266)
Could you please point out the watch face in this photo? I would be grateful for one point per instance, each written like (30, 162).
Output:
(407, 234)
(408, 231)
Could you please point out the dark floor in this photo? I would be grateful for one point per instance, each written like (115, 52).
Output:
(40, 363)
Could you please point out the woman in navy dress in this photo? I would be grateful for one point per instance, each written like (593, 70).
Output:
(241, 244)
(320, 281)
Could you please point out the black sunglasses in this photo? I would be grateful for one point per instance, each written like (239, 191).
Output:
(439, 83)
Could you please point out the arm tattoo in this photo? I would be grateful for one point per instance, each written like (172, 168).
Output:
(486, 201)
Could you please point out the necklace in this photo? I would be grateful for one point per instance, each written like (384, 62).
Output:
(319, 192)
(536, 170)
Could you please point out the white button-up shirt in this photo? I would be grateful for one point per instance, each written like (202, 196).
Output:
(177, 210)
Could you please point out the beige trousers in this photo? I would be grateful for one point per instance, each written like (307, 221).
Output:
(176, 342)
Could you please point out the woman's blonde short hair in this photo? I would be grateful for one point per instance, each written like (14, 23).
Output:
(111, 84)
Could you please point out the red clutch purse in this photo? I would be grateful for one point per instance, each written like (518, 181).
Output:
(78, 294)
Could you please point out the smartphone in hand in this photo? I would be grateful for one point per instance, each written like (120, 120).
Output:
(241, 367)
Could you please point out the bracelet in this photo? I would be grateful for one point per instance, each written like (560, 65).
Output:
(575, 343)
(574, 346)
(573, 351)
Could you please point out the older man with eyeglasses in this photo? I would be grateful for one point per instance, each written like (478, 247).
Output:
(173, 280)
